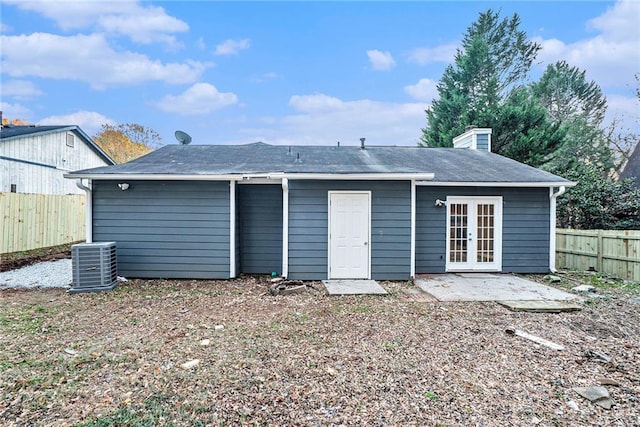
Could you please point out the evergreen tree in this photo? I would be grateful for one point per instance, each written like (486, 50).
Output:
(598, 202)
(486, 87)
(579, 106)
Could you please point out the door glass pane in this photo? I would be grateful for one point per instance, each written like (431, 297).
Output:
(485, 217)
(458, 232)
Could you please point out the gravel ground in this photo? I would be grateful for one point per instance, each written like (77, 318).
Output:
(50, 274)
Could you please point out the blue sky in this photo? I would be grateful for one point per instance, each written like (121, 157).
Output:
(280, 72)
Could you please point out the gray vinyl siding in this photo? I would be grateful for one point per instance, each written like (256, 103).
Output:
(482, 142)
(260, 212)
(165, 229)
(390, 227)
(525, 232)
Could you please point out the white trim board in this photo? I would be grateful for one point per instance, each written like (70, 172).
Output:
(494, 184)
(262, 176)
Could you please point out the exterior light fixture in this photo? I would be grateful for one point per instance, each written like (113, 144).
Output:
(123, 186)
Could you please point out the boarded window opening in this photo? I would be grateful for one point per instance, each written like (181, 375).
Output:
(71, 140)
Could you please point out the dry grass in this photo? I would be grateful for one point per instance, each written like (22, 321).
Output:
(115, 358)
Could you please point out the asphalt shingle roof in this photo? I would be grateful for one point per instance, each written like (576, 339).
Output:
(632, 168)
(448, 164)
(13, 131)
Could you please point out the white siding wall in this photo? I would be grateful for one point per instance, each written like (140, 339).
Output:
(465, 142)
(49, 149)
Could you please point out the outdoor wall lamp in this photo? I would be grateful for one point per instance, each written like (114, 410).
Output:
(440, 202)
(123, 186)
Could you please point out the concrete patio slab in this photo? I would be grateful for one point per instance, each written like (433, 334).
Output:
(488, 287)
(541, 306)
(353, 287)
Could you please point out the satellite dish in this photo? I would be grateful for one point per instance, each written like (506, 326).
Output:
(183, 137)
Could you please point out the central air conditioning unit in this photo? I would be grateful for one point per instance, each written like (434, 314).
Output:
(94, 267)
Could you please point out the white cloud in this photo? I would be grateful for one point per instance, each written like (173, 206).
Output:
(381, 61)
(323, 120)
(232, 47)
(201, 44)
(88, 58)
(611, 57)
(426, 55)
(19, 89)
(89, 121)
(14, 111)
(4, 28)
(146, 25)
(424, 90)
(201, 98)
(316, 103)
(142, 24)
(266, 77)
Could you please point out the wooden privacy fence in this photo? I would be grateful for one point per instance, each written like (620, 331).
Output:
(615, 252)
(31, 221)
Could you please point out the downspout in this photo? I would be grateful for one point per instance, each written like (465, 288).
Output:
(232, 229)
(285, 227)
(552, 226)
(89, 210)
(413, 229)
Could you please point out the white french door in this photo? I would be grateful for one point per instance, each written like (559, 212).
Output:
(349, 230)
(474, 234)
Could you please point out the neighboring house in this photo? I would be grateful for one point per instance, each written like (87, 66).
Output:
(632, 168)
(33, 159)
(318, 212)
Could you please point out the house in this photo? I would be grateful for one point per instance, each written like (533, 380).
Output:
(318, 212)
(33, 159)
(632, 167)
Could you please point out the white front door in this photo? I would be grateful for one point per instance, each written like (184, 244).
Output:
(474, 234)
(349, 235)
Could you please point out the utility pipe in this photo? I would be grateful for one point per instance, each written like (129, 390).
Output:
(552, 226)
(89, 210)
(412, 272)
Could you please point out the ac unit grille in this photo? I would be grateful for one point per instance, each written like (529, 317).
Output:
(94, 267)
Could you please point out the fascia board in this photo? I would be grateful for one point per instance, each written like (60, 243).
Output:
(239, 177)
(495, 184)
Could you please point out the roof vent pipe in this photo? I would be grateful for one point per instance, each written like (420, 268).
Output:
(289, 151)
(338, 143)
(362, 143)
(298, 158)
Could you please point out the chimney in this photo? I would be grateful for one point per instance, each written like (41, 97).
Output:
(474, 138)
(362, 143)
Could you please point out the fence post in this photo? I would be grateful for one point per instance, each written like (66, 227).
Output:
(599, 250)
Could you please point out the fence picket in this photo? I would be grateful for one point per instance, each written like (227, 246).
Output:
(615, 252)
(32, 221)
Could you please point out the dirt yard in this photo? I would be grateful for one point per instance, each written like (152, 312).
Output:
(229, 353)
